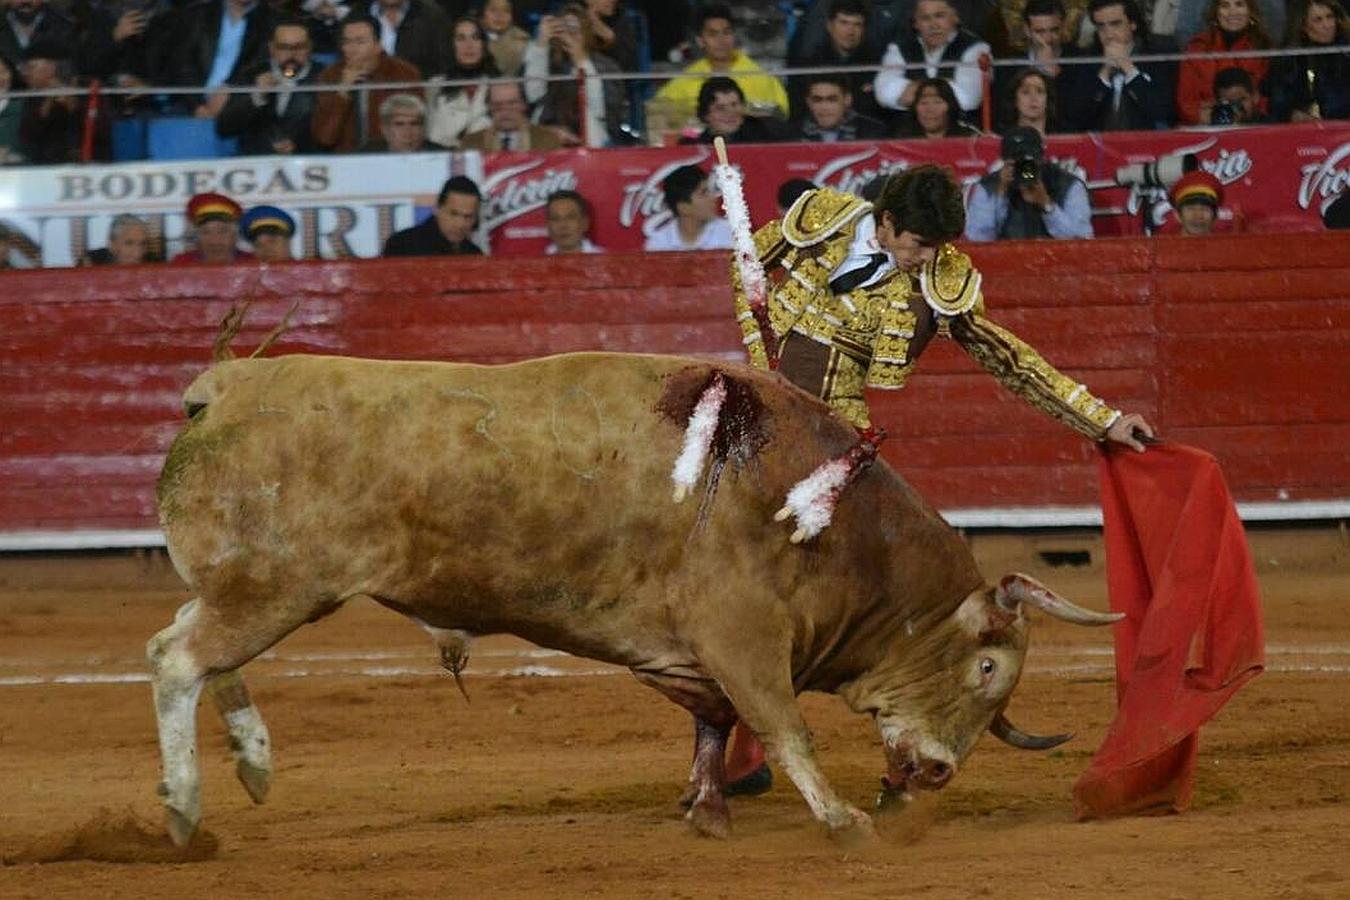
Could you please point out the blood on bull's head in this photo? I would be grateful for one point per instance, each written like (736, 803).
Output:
(944, 683)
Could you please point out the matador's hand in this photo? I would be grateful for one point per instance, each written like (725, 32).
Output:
(1122, 431)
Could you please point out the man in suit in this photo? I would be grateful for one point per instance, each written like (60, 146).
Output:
(275, 117)
(448, 230)
(511, 129)
(28, 22)
(416, 31)
(348, 118)
(1122, 94)
(213, 42)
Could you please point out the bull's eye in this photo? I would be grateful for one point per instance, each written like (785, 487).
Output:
(987, 666)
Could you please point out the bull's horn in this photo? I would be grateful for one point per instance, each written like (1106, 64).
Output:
(1009, 733)
(1017, 588)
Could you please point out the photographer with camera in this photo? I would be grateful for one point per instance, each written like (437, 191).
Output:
(1236, 99)
(1028, 197)
(1234, 25)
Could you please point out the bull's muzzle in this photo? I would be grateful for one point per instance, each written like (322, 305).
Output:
(906, 771)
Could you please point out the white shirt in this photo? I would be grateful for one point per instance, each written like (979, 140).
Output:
(586, 247)
(389, 30)
(967, 82)
(860, 252)
(716, 235)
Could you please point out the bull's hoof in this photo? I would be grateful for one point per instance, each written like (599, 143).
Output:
(710, 818)
(752, 785)
(181, 827)
(854, 829)
(255, 779)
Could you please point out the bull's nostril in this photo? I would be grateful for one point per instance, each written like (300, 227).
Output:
(939, 773)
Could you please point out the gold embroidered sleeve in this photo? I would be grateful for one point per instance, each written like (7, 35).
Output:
(768, 244)
(1024, 372)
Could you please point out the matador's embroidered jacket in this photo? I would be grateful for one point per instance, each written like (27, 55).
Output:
(836, 345)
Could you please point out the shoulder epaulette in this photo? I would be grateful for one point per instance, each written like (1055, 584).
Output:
(950, 283)
(818, 214)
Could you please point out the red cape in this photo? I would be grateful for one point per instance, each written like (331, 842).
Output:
(1179, 568)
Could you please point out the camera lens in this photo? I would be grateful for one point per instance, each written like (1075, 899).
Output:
(1224, 113)
(1027, 171)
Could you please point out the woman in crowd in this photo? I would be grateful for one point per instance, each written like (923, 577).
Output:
(1232, 25)
(506, 40)
(1030, 100)
(565, 45)
(614, 33)
(935, 113)
(11, 114)
(456, 110)
(1308, 88)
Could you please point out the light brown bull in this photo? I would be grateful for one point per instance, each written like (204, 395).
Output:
(533, 499)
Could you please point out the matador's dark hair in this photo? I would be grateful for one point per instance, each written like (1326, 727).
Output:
(924, 200)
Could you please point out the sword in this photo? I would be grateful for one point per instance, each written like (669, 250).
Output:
(748, 266)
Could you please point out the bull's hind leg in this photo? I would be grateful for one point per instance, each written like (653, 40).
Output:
(713, 717)
(208, 640)
(177, 682)
(708, 813)
(249, 741)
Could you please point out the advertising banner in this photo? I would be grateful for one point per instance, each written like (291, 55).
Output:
(343, 205)
(1276, 178)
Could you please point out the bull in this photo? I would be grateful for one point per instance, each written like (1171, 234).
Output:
(533, 499)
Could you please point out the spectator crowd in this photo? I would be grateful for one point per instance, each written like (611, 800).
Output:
(863, 69)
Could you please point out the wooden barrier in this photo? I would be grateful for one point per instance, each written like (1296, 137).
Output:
(1238, 344)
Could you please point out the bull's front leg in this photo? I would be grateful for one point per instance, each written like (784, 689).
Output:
(762, 693)
(789, 745)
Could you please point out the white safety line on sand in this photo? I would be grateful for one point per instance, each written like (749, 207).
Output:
(537, 671)
(340, 656)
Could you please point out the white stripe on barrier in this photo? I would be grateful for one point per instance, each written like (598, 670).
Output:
(971, 517)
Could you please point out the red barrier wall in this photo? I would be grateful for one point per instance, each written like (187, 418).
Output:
(1238, 344)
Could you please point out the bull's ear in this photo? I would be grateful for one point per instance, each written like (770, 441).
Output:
(979, 614)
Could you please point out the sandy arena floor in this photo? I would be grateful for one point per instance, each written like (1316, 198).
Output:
(389, 785)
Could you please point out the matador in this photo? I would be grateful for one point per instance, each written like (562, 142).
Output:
(855, 290)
